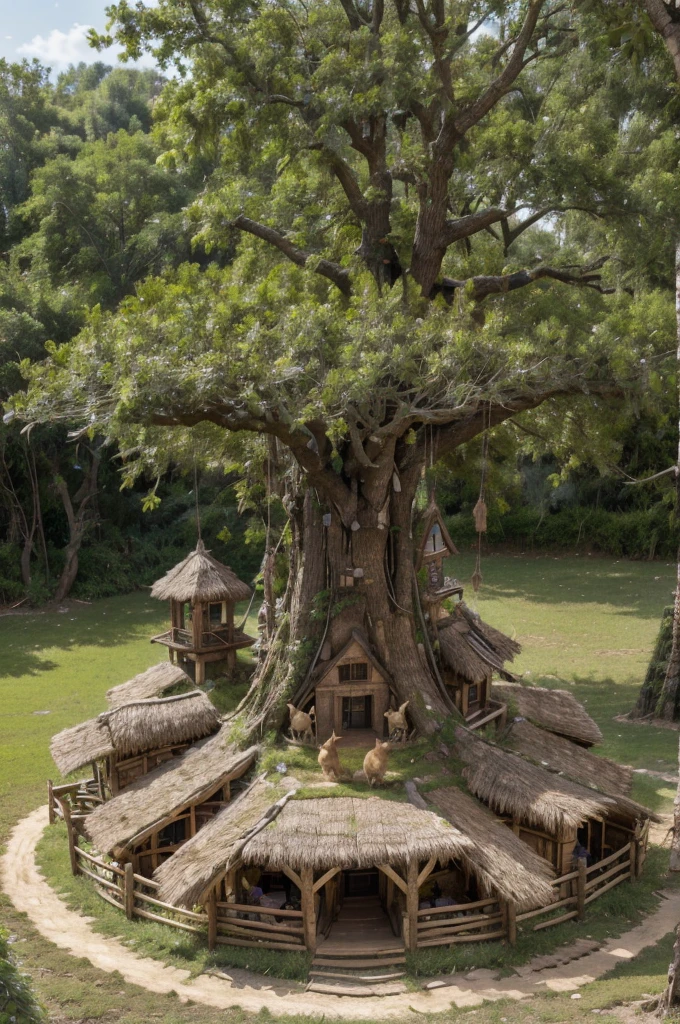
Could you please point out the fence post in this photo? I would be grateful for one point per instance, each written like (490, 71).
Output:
(211, 908)
(50, 802)
(581, 888)
(633, 852)
(129, 879)
(72, 838)
(511, 922)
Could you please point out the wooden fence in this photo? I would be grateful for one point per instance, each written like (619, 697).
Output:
(237, 924)
(491, 919)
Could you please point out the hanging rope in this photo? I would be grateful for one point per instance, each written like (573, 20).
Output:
(198, 513)
(480, 510)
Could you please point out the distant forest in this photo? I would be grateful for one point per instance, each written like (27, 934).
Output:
(91, 203)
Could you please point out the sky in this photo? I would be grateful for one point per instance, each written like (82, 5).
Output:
(54, 31)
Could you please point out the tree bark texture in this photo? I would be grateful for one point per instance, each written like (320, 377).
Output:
(77, 522)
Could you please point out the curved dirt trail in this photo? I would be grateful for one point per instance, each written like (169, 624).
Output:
(30, 893)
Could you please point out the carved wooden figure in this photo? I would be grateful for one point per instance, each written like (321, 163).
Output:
(301, 723)
(375, 763)
(397, 726)
(329, 759)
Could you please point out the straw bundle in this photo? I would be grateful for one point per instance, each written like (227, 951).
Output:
(80, 745)
(557, 711)
(190, 871)
(159, 796)
(151, 683)
(501, 862)
(512, 786)
(200, 577)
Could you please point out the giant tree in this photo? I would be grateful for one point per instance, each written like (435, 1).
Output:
(382, 170)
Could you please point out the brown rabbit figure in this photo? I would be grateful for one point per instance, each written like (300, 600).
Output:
(397, 726)
(301, 723)
(329, 760)
(375, 762)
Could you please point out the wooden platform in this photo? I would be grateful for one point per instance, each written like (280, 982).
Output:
(357, 738)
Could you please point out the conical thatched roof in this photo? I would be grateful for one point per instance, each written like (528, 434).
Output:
(151, 683)
(471, 647)
(501, 862)
(158, 796)
(557, 711)
(200, 577)
(515, 787)
(134, 729)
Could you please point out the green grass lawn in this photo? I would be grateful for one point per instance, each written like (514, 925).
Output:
(585, 623)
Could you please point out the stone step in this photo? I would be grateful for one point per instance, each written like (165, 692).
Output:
(365, 963)
(348, 989)
(348, 976)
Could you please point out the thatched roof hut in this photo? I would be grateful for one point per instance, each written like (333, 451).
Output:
(517, 788)
(557, 711)
(200, 577)
(143, 807)
(501, 862)
(560, 755)
(189, 873)
(134, 729)
(152, 683)
(471, 648)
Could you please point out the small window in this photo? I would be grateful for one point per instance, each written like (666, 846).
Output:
(435, 541)
(473, 694)
(173, 833)
(216, 614)
(355, 670)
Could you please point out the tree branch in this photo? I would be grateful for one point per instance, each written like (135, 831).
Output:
(333, 271)
(463, 227)
(498, 284)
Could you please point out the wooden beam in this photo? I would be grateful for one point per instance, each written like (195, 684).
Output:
(211, 909)
(427, 870)
(295, 878)
(325, 878)
(308, 908)
(399, 882)
(412, 906)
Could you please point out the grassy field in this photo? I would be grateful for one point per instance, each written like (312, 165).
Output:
(587, 624)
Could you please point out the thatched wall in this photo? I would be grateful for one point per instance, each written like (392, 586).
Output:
(519, 789)
(151, 683)
(163, 792)
(557, 711)
(200, 577)
(502, 863)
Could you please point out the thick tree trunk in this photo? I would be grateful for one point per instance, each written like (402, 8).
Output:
(369, 541)
(77, 522)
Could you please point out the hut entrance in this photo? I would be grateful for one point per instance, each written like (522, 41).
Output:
(357, 712)
(361, 883)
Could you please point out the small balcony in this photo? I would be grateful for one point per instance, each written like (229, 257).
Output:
(177, 639)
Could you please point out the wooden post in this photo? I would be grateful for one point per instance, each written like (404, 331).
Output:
(72, 838)
(511, 922)
(412, 905)
(129, 880)
(633, 852)
(211, 908)
(308, 911)
(581, 888)
(50, 802)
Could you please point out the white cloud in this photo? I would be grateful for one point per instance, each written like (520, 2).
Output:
(59, 49)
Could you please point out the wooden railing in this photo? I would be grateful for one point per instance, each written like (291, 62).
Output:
(80, 797)
(490, 919)
(238, 924)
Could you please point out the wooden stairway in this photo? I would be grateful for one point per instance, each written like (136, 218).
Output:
(361, 956)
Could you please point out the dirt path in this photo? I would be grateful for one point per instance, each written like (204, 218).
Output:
(31, 894)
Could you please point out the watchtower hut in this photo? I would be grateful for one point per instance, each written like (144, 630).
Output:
(436, 545)
(202, 593)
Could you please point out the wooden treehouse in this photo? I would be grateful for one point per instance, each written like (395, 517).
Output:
(202, 594)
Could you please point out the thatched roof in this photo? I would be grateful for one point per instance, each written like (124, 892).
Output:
(191, 871)
(560, 755)
(200, 577)
(134, 729)
(472, 648)
(151, 683)
(515, 787)
(557, 711)
(351, 832)
(500, 860)
(155, 798)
